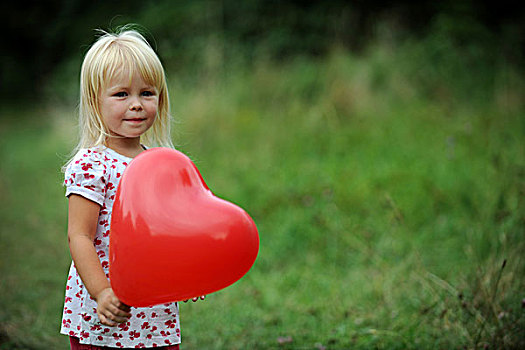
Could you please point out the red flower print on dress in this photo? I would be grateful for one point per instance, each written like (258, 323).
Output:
(96, 327)
(86, 166)
(100, 172)
(124, 326)
(133, 335)
(170, 324)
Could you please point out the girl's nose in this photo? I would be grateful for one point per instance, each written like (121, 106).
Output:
(135, 106)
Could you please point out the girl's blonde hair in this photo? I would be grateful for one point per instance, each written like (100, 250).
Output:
(113, 53)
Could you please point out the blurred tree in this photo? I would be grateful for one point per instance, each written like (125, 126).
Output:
(40, 35)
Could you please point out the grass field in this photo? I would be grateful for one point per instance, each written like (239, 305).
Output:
(388, 191)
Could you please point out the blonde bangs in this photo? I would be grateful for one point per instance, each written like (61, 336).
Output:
(125, 58)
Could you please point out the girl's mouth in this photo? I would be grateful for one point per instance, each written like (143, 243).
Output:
(135, 120)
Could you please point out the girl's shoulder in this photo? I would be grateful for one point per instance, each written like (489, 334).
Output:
(93, 157)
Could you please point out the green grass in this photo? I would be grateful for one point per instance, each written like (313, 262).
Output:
(387, 195)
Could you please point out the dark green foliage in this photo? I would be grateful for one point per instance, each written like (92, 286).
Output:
(39, 38)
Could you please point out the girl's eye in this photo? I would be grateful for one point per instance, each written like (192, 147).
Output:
(120, 94)
(148, 93)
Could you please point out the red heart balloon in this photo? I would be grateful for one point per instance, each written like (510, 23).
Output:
(171, 238)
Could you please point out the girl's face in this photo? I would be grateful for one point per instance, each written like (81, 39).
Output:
(128, 107)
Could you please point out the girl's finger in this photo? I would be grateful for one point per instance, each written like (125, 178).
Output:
(124, 307)
(120, 305)
(118, 312)
(115, 318)
(202, 297)
(105, 321)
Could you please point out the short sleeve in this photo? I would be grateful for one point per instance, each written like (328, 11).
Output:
(85, 175)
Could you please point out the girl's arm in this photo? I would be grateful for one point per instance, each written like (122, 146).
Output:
(82, 227)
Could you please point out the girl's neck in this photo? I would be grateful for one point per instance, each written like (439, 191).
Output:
(126, 146)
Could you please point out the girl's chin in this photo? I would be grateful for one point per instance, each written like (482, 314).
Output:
(125, 137)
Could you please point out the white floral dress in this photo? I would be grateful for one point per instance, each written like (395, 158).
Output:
(94, 173)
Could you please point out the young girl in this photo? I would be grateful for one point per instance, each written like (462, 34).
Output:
(124, 108)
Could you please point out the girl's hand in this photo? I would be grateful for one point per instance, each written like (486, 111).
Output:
(110, 310)
(202, 297)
